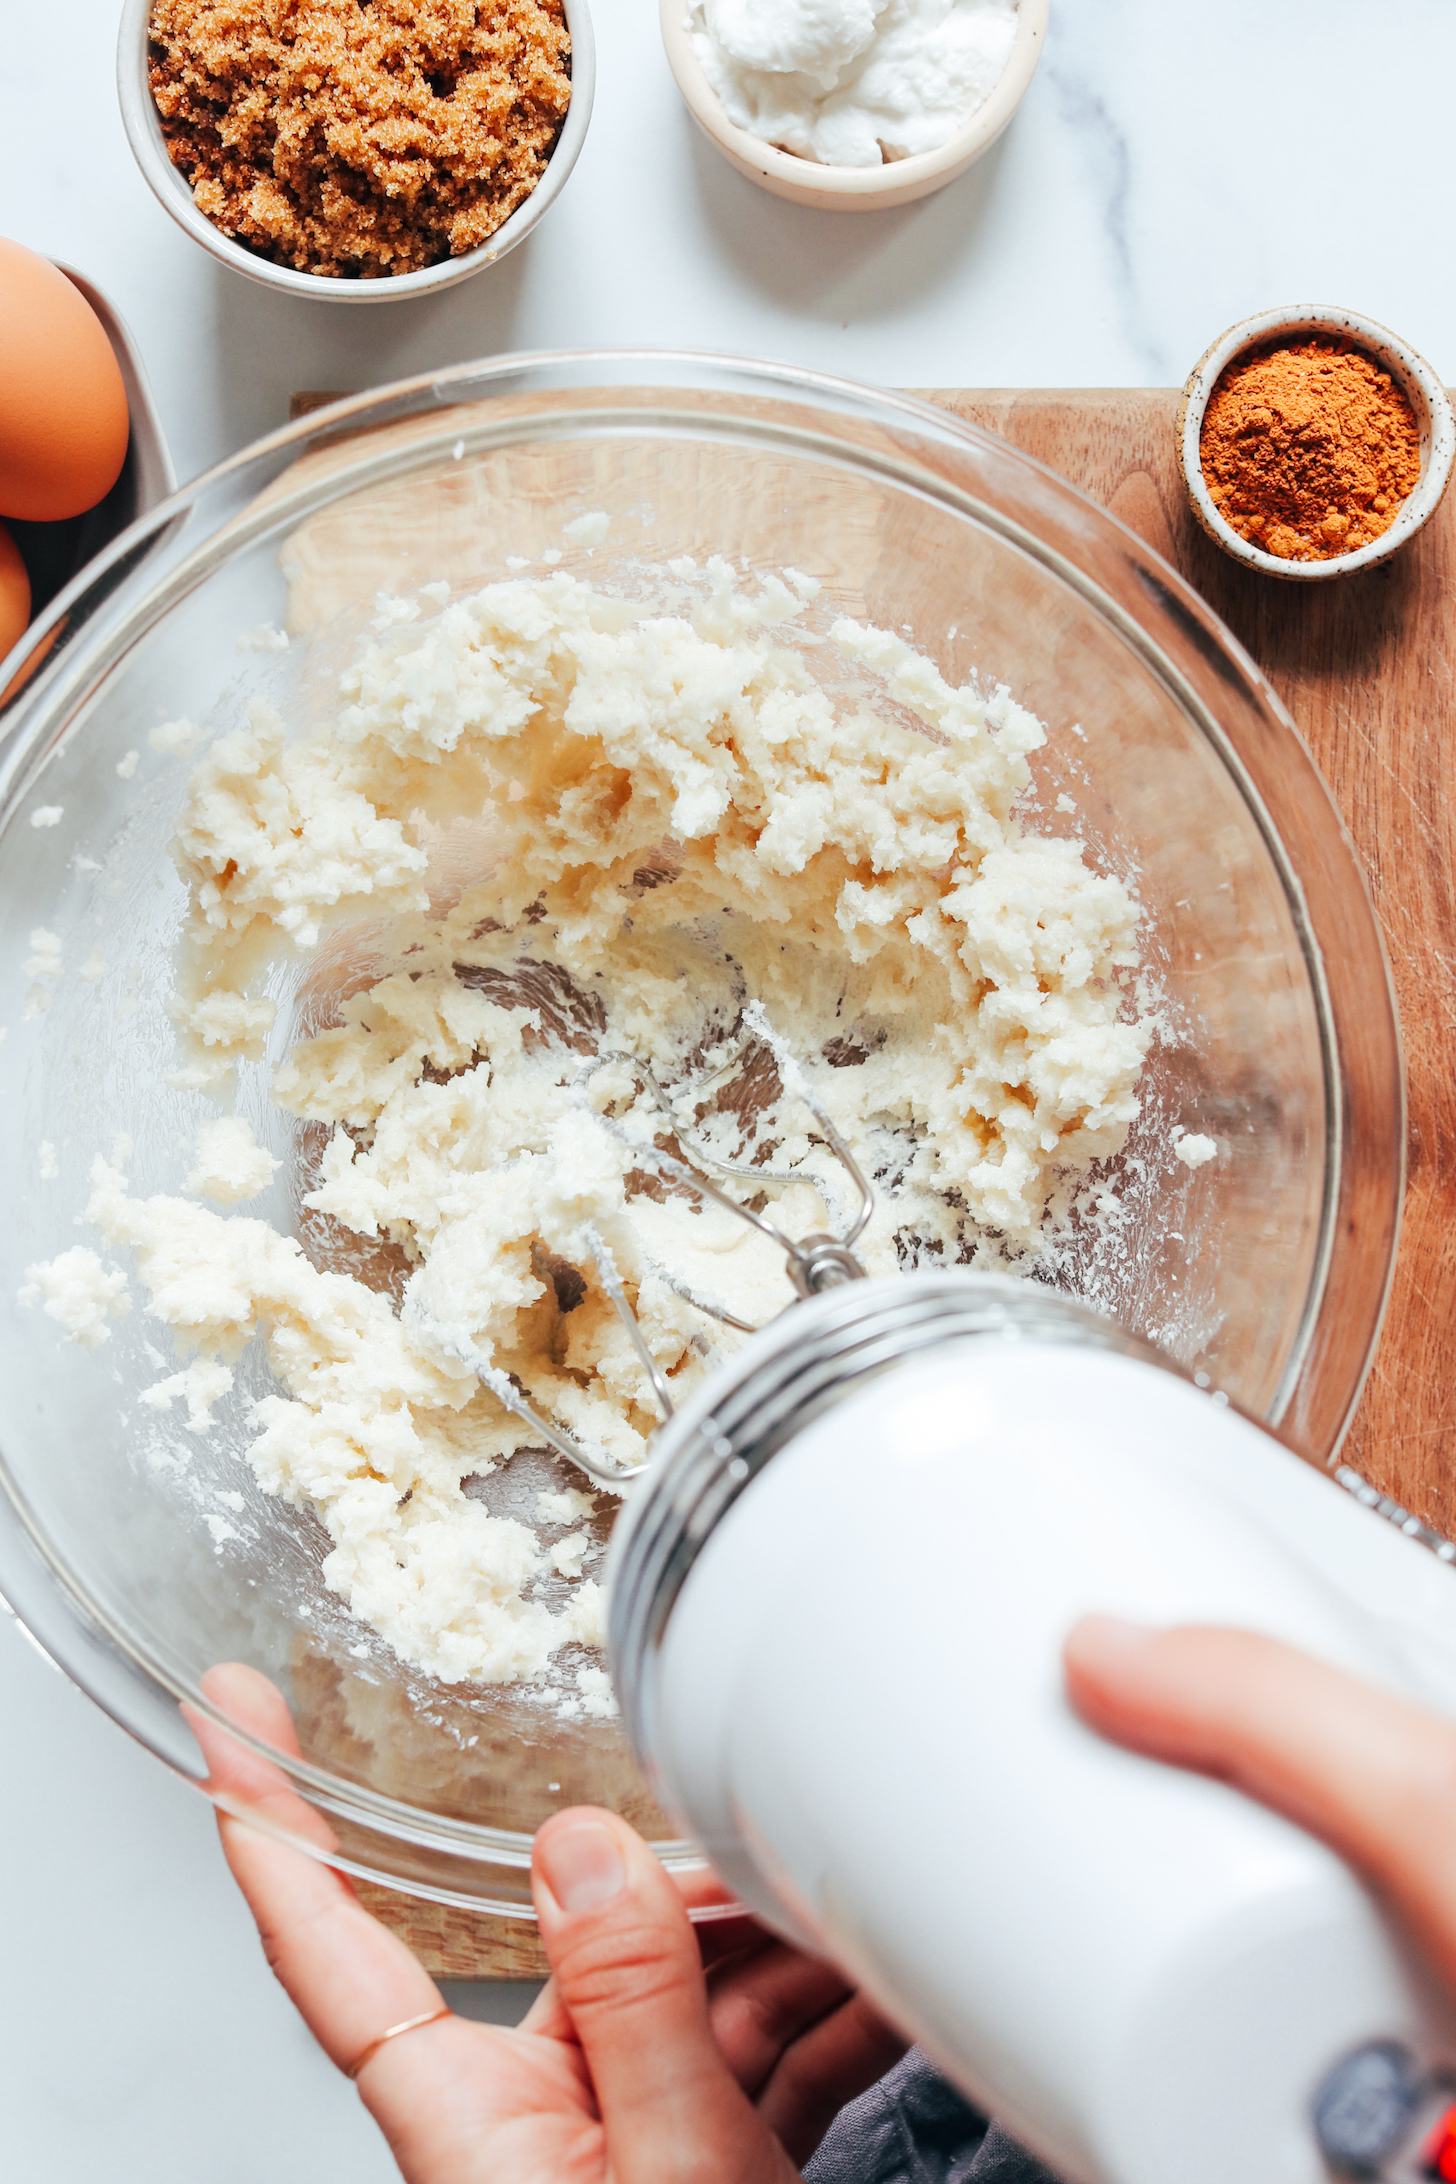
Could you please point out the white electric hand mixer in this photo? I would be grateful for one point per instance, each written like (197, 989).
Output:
(838, 1604)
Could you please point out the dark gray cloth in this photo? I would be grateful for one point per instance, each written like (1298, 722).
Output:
(914, 2128)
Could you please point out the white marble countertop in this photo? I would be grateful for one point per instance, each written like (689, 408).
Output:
(1172, 169)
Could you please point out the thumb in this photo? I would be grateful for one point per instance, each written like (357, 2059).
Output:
(626, 1967)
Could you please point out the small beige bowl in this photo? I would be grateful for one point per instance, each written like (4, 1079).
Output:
(143, 126)
(854, 189)
(1427, 398)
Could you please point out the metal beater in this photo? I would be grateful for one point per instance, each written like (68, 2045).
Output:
(815, 1263)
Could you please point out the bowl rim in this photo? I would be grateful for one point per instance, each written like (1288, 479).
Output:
(859, 189)
(143, 128)
(1423, 388)
(78, 1632)
(156, 471)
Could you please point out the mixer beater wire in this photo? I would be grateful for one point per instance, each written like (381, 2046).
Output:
(815, 1262)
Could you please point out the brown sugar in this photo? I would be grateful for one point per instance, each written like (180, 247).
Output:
(1309, 448)
(360, 138)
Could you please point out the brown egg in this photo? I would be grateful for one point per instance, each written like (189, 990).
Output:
(14, 592)
(63, 415)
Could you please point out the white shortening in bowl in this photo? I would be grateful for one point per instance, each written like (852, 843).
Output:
(853, 83)
(832, 187)
(839, 1608)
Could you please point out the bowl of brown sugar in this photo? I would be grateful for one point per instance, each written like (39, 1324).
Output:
(358, 151)
(1314, 442)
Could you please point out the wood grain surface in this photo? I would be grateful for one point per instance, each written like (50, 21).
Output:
(455, 1944)
(1364, 665)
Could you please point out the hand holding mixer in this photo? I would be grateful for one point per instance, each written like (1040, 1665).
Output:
(839, 1600)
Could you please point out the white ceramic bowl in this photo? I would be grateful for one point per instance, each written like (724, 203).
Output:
(143, 127)
(1427, 398)
(147, 476)
(854, 189)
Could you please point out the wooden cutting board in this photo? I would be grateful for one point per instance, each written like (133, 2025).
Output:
(1365, 666)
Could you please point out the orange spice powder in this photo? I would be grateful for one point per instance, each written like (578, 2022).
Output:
(1309, 448)
(360, 138)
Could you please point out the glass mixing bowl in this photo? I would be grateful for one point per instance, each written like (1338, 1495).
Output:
(138, 1553)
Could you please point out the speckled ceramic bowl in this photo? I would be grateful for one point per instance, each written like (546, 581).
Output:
(853, 189)
(143, 127)
(1427, 398)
